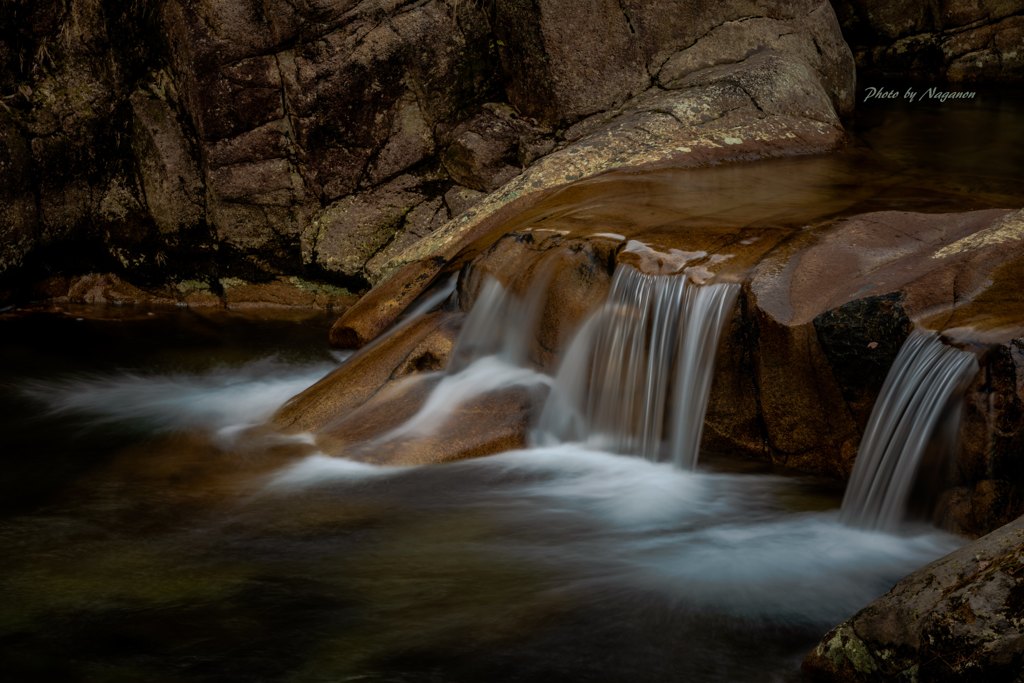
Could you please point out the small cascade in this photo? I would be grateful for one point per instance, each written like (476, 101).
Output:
(491, 354)
(637, 376)
(919, 407)
(500, 324)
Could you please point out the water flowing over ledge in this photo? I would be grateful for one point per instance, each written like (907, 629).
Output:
(637, 376)
(918, 409)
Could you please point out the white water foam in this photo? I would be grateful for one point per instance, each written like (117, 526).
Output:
(319, 469)
(483, 376)
(223, 399)
(610, 525)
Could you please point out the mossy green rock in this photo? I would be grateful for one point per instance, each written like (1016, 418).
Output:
(961, 618)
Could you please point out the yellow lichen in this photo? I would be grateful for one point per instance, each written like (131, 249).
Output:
(1008, 229)
(845, 645)
(231, 282)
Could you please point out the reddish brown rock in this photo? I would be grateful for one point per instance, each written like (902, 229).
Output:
(846, 294)
(363, 375)
(807, 422)
(491, 423)
(571, 277)
(377, 310)
(289, 292)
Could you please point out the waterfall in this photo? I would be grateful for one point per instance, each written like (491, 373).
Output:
(919, 406)
(500, 324)
(491, 354)
(636, 378)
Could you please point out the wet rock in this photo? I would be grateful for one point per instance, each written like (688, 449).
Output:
(491, 423)
(571, 277)
(807, 422)
(734, 422)
(833, 304)
(423, 342)
(377, 310)
(957, 619)
(861, 340)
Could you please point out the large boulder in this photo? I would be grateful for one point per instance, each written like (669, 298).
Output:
(831, 308)
(961, 618)
(340, 140)
(823, 312)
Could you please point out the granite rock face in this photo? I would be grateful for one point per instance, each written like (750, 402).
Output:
(958, 619)
(202, 139)
(961, 41)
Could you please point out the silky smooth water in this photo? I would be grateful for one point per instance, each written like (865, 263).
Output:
(179, 554)
(150, 533)
(636, 378)
(920, 405)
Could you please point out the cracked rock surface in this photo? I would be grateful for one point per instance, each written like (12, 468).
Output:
(961, 41)
(960, 618)
(202, 139)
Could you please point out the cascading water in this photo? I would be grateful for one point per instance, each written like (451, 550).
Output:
(637, 376)
(919, 405)
(499, 324)
(490, 355)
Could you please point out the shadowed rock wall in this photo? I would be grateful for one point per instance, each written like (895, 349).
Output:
(956, 40)
(210, 139)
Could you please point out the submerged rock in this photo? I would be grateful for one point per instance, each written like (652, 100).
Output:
(960, 618)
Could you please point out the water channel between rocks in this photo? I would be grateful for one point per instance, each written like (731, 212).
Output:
(144, 541)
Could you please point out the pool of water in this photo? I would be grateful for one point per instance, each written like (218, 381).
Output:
(149, 536)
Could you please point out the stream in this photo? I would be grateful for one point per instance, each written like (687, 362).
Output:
(151, 531)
